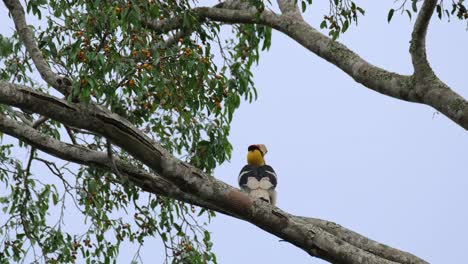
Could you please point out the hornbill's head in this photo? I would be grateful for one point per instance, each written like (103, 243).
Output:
(255, 154)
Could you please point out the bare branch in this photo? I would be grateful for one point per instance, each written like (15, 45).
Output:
(13, 113)
(418, 39)
(61, 83)
(172, 40)
(365, 243)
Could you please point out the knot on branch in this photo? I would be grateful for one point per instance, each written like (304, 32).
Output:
(311, 232)
(63, 80)
(169, 168)
(332, 225)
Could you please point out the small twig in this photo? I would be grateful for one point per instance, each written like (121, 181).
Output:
(71, 135)
(11, 112)
(82, 131)
(28, 167)
(66, 185)
(26, 198)
(111, 159)
(172, 40)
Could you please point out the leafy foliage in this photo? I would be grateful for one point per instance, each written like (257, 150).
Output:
(457, 9)
(180, 86)
(342, 13)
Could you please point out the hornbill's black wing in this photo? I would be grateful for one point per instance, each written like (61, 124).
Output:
(257, 172)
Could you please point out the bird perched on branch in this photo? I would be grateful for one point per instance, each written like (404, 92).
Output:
(256, 178)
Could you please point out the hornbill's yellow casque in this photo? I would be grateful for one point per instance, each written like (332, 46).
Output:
(256, 178)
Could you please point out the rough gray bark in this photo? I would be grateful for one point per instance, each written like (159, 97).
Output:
(181, 181)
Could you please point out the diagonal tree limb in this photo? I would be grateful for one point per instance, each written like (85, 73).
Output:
(418, 39)
(315, 240)
(59, 82)
(365, 243)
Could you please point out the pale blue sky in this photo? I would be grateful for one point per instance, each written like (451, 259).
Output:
(388, 169)
(391, 170)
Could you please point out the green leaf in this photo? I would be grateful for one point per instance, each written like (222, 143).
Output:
(55, 198)
(439, 11)
(361, 10)
(408, 13)
(304, 6)
(323, 24)
(390, 15)
(414, 6)
(345, 26)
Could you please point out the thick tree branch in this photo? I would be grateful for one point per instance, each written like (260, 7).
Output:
(418, 39)
(375, 78)
(430, 91)
(59, 82)
(302, 232)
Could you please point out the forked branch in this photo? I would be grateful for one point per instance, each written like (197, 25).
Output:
(418, 39)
